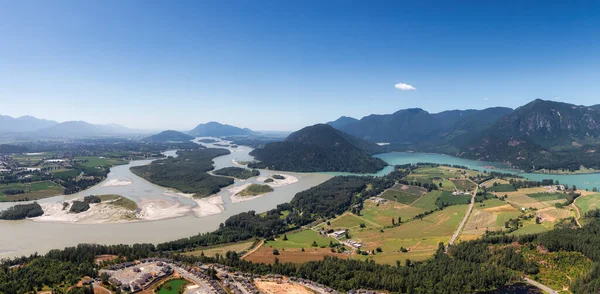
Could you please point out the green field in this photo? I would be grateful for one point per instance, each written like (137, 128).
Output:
(530, 229)
(587, 203)
(503, 217)
(464, 185)
(502, 188)
(384, 213)
(255, 190)
(399, 196)
(448, 199)
(427, 202)
(547, 196)
(175, 286)
(66, 174)
(222, 250)
(302, 239)
(33, 190)
(93, 161)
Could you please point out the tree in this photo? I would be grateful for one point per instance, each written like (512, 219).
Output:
(314, 244)
(275, 252)
(285, 237)
(399, 220)
(393, 222)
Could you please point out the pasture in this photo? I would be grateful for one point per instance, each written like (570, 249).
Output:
(293, 255)
(94, 161)
(33, 190)
(222, 250)
(588, 202)
(302, 239)
(384, 213)
(427, 201)
(463, 184)
(447, 199)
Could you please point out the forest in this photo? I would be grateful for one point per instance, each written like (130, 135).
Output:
(187, 172)
(22, 211)
(237, 172)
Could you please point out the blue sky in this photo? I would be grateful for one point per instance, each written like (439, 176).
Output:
(282, 65)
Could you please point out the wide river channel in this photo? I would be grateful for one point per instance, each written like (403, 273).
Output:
(26, 236)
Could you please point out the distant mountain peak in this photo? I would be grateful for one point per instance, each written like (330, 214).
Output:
(169, 136)
(216, 129)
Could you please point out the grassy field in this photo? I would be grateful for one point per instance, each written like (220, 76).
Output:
(28, 160)
(67, 173)
(384, 213)
(531, 228)
(400, 196)
(448, 199)
(427, 202)
(502, 188)
(489, 215)
(547, 196)
(420, 237)
(293, 255)
(93, 161)
(119, 200)
(302, 239)
(589, 202)
(222, 250)
(463, 184)
(33, 191)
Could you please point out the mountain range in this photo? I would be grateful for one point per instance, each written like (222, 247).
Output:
(26, 123)
(169, 136)
(540, 134)
(319, 148)
(215, 129)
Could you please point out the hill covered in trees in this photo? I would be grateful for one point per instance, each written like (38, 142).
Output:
(215, 129)
(169, 136)
(187, 172)
(319, 148)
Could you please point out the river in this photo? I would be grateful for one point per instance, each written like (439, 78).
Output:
(25, 237)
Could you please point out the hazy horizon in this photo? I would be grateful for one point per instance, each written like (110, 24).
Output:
(280, 66)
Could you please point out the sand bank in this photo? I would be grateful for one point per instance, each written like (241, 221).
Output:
(117, 183)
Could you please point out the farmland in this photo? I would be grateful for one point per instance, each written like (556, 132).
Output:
(32, 191)
(588, 202)
(222, 250)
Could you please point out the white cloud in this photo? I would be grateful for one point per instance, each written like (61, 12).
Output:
(404, 87)
(486, 99)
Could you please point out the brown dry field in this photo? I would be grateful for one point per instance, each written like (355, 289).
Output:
(283, 288)
(552, 214)
(265, 255)
(503, 208)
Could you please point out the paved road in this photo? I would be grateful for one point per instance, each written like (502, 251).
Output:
(540, 286)
(462, 223)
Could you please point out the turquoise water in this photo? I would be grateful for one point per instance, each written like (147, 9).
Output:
(583, 181)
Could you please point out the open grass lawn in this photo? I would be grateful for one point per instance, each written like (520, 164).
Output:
(448, 199)
(439, 225)
(222, 250)
(175, 286)
(526, 202)
(400, 196)
(33, 191)
(532, 228)
(547, 196)
(302, 239)
(93, 161)
(503, 217)
(349, 220)
(490, 183)
(463, 185)
(417, 254)
(67, 173)
(384, 213)
(491, 202)
(447, 185)
(293, 255)
(502, 188)
(427, 201)
(587, 203)
(410, 189)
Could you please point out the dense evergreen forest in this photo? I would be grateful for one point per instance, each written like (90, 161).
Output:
(187, 172)
(22, 211)
(237, 172)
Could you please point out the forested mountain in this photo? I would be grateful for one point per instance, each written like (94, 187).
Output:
(342, 122)
(596, 107)
(417, 128)
(542, 134)
(81, 129)
(26, 123)
(169, 136)
(319, 148)
(215, 129)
